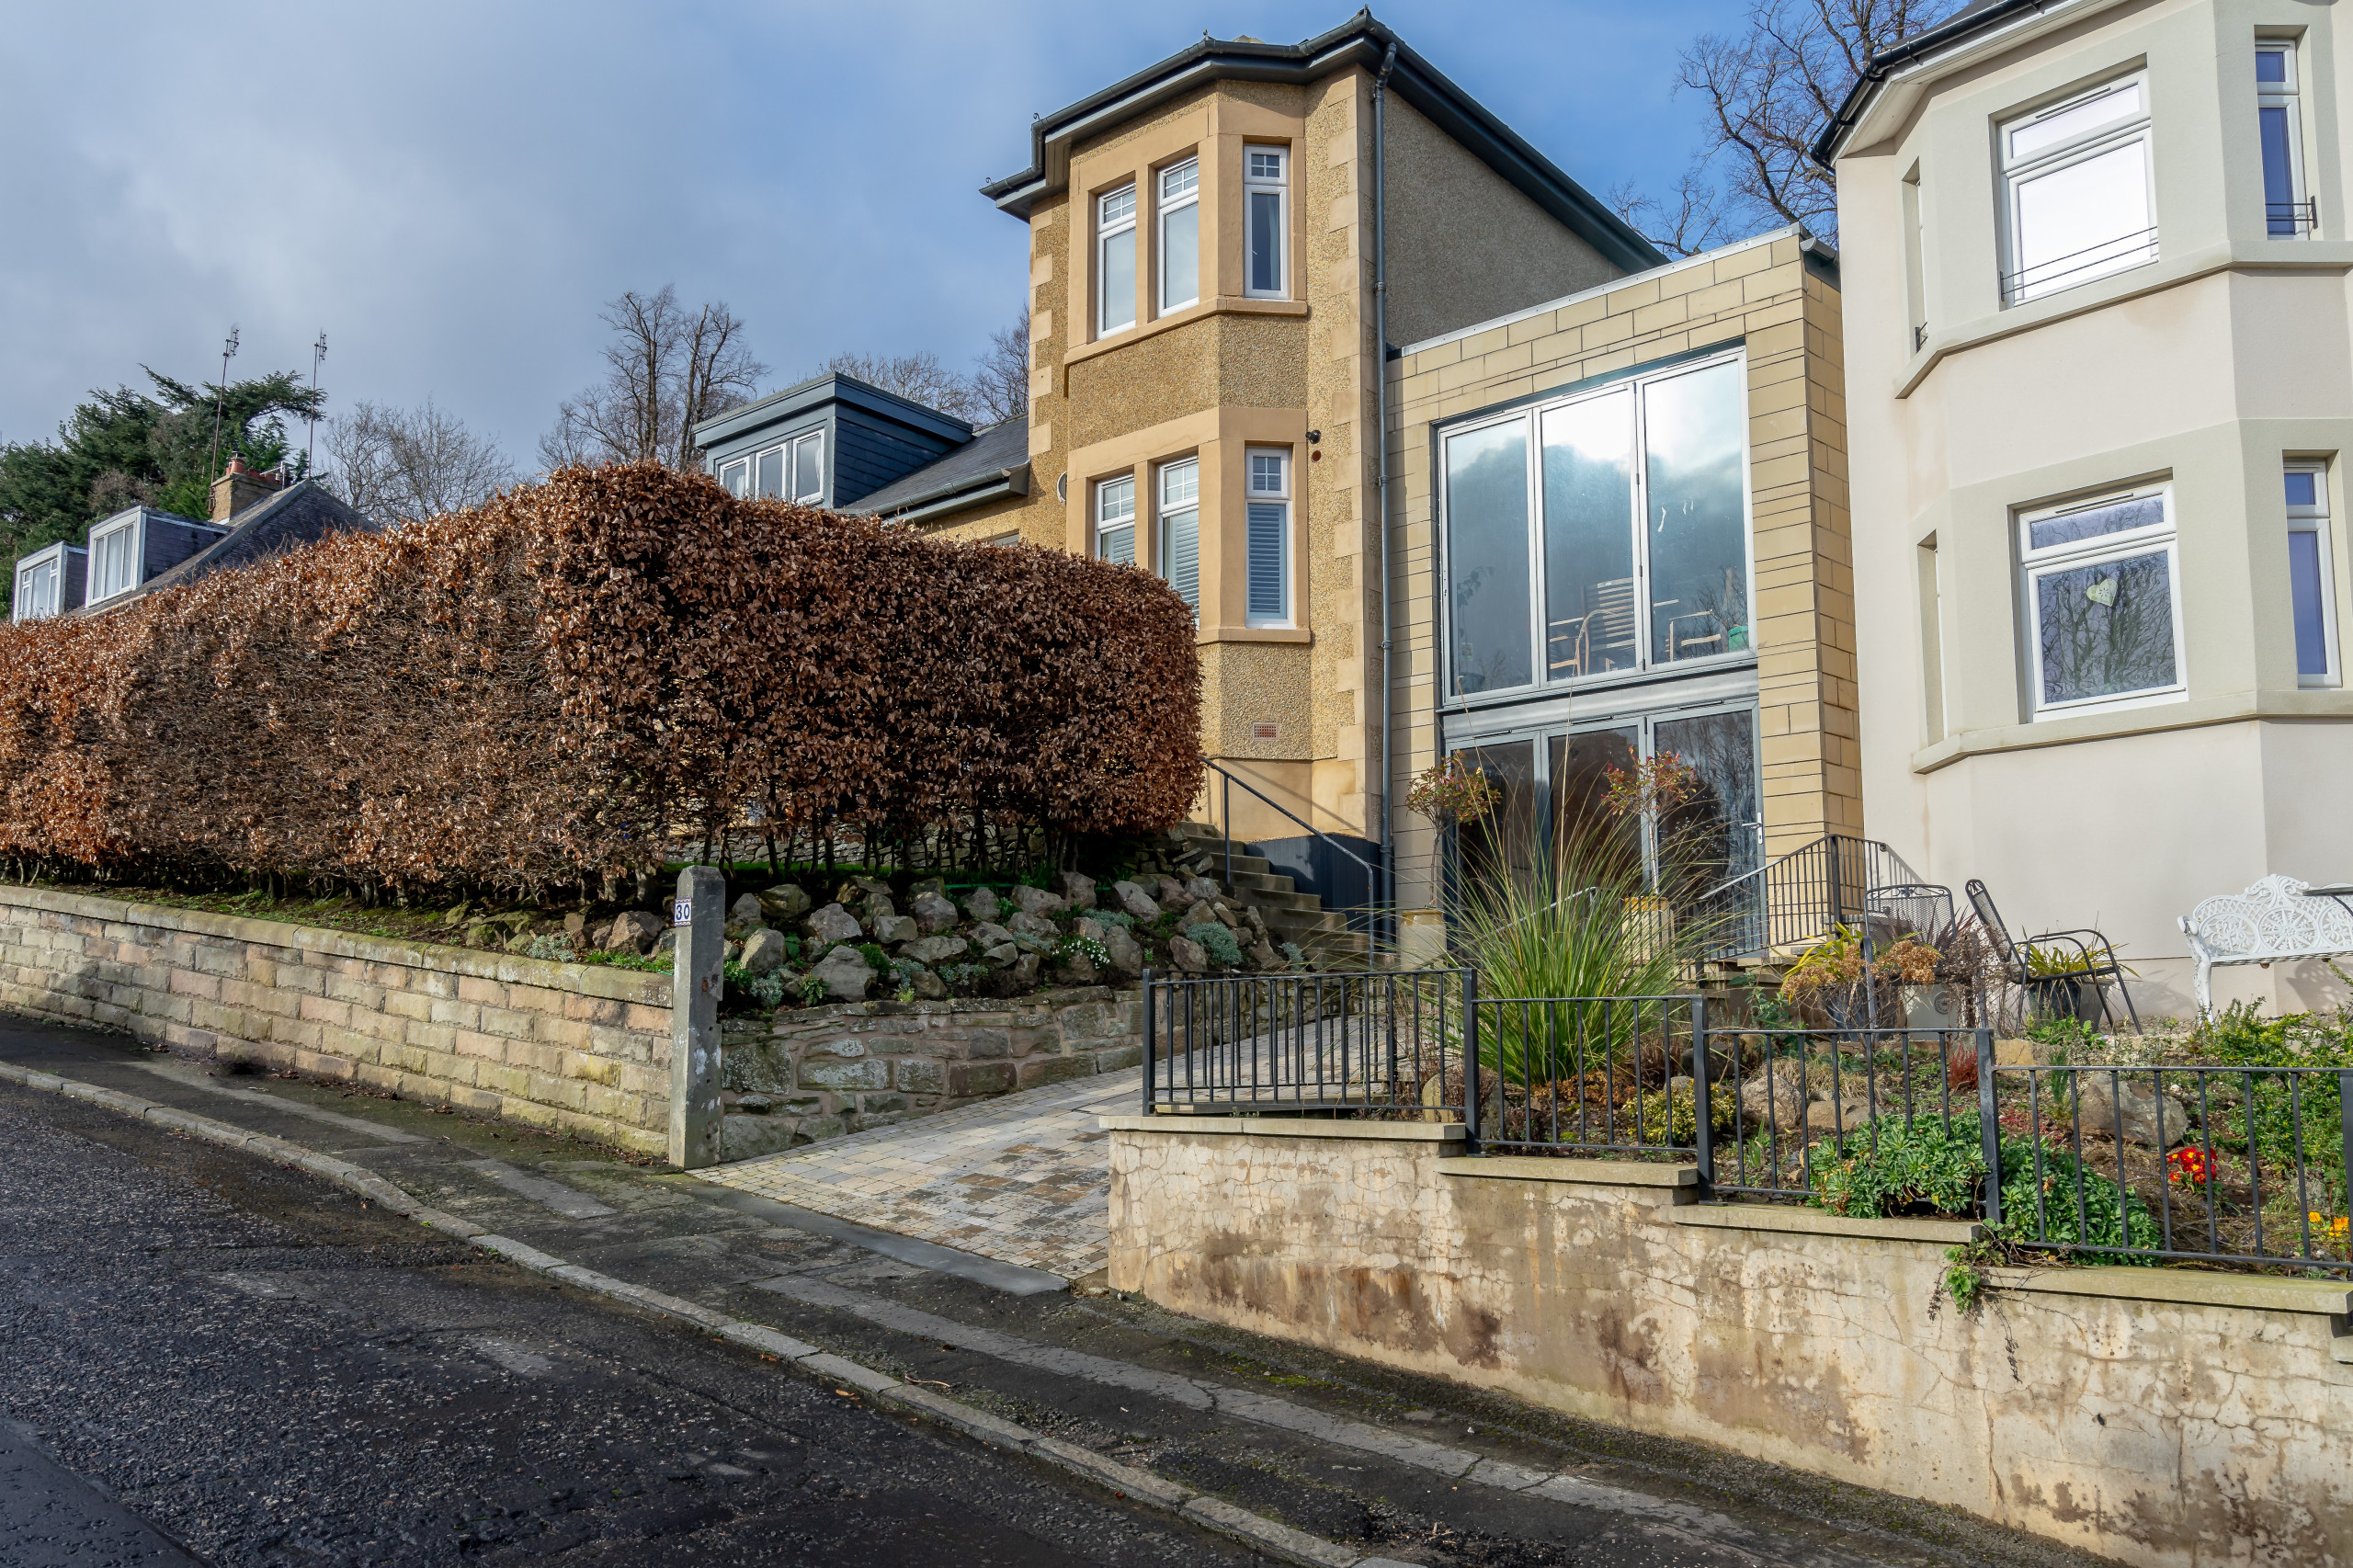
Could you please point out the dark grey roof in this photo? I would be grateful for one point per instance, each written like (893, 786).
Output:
(302, 514)
(1360, 40)
(832, 386)
(1977, 16)
(993, 463)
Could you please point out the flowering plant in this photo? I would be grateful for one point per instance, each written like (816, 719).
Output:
(1452, 792)
(2191, 1169)
(1657, 787)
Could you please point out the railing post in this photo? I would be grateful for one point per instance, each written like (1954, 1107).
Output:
(1989, 1131)
(1228, 828)
(1699, 1094)
(1149, 1040)
(2345, 1122)
(1471, 1059)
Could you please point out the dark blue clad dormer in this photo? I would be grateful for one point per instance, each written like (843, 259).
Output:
(826, 442)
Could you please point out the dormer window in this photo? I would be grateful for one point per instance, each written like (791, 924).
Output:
(790, 470)
(114, 560)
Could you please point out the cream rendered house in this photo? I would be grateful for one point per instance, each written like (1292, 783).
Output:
(2097, 259)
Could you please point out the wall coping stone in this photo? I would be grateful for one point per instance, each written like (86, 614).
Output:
(601, 980)
(1595, 1173)
(2187, 1287)
(1815, 1222)
(1287, 1127)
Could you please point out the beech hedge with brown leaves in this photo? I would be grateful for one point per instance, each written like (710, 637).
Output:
(562, 683)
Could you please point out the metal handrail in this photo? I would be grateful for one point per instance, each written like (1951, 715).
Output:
(1226, 826)
(2117, 249)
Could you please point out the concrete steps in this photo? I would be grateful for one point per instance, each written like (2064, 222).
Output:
(1291, 915)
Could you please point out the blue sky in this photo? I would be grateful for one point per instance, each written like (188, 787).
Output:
(451, 190)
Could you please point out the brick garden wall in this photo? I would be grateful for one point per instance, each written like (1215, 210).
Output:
(828, 1070)
(568, 1047)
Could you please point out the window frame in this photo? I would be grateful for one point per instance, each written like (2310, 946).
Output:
(2287, 97)
(1107, 231)
(1646, 669)
(1281, 499)
(1130, 524)
(53, 572)
(2014, 172)
(2126, 544)
(1165, 207)
(739, 486)
(131, 530)
(793, 466)
(1163, 512)
(1280, 183)
(2314, 521)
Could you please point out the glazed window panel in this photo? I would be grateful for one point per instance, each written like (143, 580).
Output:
(1591, 622)
(1695, 450)
(2311, 579)
(2103, 604)
(113, 563)
(1265, 186)
(1487, 552)
(1181, 530)
(736, 477)
(1115, 261)
(1115, 521)
(2078, 194)
(2287, 213)
(1181, 235)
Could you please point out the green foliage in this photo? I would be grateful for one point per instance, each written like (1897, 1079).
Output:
(624, 961)
(2071, 1035)
(1111, 917)
(1292, 951)
(1966, 1280)
(1894, 1167)
(559, 950)
(876, 959)
(125, 448)
(1676, 1110)
(1087, 947)
(1216, 941)
(767, 989)
(813, 990)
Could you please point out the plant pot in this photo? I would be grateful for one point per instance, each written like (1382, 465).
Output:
(2064, 999)
(1932, 1008)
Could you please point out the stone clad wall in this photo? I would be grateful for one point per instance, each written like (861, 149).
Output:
(2148, 1416)
(574, 1048)
(828, 1070)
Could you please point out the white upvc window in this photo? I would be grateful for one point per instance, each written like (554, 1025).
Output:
(2288, 211)
(114, 561)
(1180, 525)
(789, 471)
(1115, 521)
(2078, 194)
(1181, 235)
(1266, 196)
(736, 477)
(2312, 578)
(1267, 514)
(2101, 582)
(1115, 261)
(39, 589)
(809, 468)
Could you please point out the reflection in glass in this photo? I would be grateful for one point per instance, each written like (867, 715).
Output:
(1503, 843)
(2305, 587)
(1584, 832)
(1695, 448)
(1588, 537)
(1487, 493)
(2093, 522)
(1715, 835)
(769, 483)
(2106, 629)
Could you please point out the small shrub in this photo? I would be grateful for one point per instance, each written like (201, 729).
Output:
(767, 989)
(1292, 951)
(1110, 918)
(876, 959)
(557, 948)
(1676, 1110)
(1219, 943)
(1087, 947)
(813, 990)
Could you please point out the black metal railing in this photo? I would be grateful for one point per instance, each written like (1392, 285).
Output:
(2241, 1166)
(2284, 218)
(1800, 897)
(2064, 271)
(1375, 879)
(1385, 1043)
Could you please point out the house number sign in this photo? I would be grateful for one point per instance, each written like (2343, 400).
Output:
(682, 911)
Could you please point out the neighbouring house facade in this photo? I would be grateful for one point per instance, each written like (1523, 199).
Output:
(1622, 532)
(141, 549)
(1209, 244)
(2097, 260)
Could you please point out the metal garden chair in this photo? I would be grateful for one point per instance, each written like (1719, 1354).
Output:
(2095, 956)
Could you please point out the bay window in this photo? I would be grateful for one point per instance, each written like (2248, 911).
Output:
(1609, 529)
(1181, 235)
(1115, 521)
(2311, 582)
(1268, 518)
(2287, 211)
(2077, 197)
(1179, 524)
(1115, 261)
(1265, 186)
(2103, 606)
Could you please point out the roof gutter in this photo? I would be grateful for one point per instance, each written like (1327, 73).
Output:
(1884, 63)
(948, 498)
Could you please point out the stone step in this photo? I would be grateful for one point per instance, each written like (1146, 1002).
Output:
(1247, 882)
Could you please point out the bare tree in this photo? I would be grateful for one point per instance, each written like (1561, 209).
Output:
(1768, 92)
(666, 370)
(997, 390)
(1001, 382)
(398, 465)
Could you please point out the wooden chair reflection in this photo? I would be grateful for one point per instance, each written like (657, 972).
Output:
(1582, 645)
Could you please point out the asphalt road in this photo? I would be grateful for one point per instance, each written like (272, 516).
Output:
(204, 1356)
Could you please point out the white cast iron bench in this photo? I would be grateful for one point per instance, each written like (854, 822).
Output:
(2271, 921)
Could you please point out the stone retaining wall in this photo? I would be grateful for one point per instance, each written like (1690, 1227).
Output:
(827, 1071)
(576, 1048)
(2159, 1416)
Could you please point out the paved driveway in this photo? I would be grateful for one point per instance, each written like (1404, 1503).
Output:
(1025, 1179)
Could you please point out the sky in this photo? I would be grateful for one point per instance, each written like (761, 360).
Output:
(450, 191)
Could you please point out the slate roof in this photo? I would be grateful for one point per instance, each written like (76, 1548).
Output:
(300, 514)
(995, 462)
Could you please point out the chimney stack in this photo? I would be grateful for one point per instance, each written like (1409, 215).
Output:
(240, 488)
